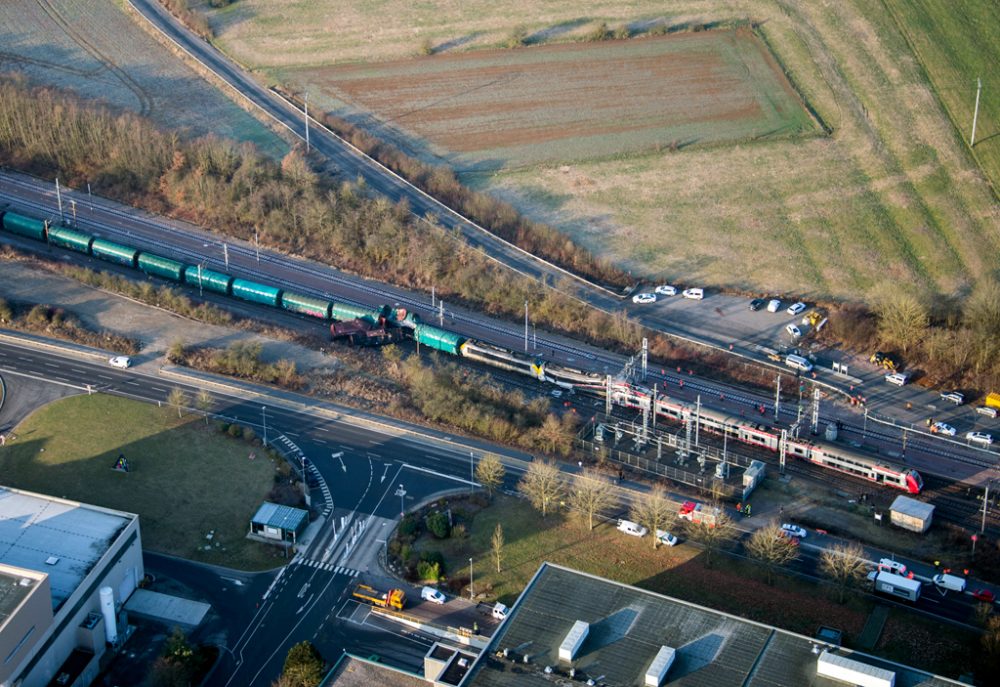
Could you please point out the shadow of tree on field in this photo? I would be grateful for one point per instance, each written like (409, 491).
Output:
(456, 42)
(548, 33)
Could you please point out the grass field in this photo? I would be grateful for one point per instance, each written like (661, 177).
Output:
(890, 196)
(186, 480)
(98, 51)
(956, 42)
(575, 101)
(729, 585)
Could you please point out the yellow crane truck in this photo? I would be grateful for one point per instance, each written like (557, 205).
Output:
(394, 598)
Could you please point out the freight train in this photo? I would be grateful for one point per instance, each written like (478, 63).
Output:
(366, 326)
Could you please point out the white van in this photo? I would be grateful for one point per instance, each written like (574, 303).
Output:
(897, 378)
(950, 582)
(797, 362)
(432, 595)
(632, 528)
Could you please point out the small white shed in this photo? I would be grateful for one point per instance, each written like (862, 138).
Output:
(911, 514)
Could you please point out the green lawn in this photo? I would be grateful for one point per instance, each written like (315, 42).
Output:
(729, 584)
(956, 42)
(186, 479)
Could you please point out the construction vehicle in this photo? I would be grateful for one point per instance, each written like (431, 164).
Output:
(698, 513)
(813, 318)
(993, 400)
(885, 360)
(394, 598)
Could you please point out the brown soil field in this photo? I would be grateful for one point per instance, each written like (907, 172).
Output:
(890, 197)
(573, 101)
(98, 51)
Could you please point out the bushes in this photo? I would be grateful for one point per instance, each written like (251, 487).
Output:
(438, 525)
(44, 319)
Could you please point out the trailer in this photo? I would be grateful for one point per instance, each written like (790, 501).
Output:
(360, 333)
(394, 598)
(895, 585)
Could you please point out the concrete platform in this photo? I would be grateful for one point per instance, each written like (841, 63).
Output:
(172, 610)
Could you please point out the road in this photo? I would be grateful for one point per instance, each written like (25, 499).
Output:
(195, 246)
(364, 477)
(719, 320)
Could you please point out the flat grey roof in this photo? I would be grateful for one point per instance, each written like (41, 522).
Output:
(351, 671)
(912, 507)
(63, 539)
(283, 517)
(12, 593)
(629, 625)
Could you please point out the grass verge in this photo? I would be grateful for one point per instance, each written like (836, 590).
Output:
(186, 480)
(730, 585)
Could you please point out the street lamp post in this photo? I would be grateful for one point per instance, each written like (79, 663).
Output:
(402, 494)
(472, 588)
(263, 416)
(472, 470)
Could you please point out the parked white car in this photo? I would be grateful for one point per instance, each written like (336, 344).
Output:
(644, 298)
(695, 294)
(666, 290)
(897, 378)
(796, 308)
(666, 538)
(632, 528)
(433, 595)
(793, 331)
(122, 361)
(795, 531)
(774, 305)
(980, 438)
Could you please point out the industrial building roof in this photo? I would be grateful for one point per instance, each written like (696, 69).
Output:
(12, 593)
(283, 517)
(628, 627)
(63, 539)
(351, 671)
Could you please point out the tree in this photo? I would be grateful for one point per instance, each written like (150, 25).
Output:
(771, 548)
(902, 317)
(591, 495)
(845, 565)
(653, 510)
(490, 472)
(204, 403)
(555, 435)
(712, 534)
(178, 399)
(303, 666)
(542, 484)
(497, 544)
(177, 352)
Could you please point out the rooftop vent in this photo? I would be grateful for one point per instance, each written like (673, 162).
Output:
(51, 560)
(853, 672)
(658, 668)
(574, 640)
(26, 582)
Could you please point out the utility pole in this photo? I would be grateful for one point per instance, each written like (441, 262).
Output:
(777, 396)
(432, 296)
(645, 356)
(90, 198)
(225, 254)
(975, 115)
(472, 589)
(782, 448)
(815, 410)
(526, 326)
(201, 291)
(59, 201)
(472, 470)
(440, 313)
(307, 122)
(607, 395)
(986, 500)
(697, 419)
(263, 417)
(72, 205)
(256, 243)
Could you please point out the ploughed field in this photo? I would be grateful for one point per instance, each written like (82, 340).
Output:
(512, 108)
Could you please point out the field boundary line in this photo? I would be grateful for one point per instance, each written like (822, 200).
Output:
(385, 170)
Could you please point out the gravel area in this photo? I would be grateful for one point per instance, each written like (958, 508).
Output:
(155, 328)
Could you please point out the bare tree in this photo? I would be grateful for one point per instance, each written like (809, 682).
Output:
(178, 399)
(845, 565)
(555, 435)
(771, 548)
(497, 544)
(204, 403)
(713, 533)
(490, 472)
(902, 317)
(542, 484)
(591, 495)
(653, 510)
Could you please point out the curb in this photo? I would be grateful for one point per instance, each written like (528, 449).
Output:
(78, 350)
(3, 392)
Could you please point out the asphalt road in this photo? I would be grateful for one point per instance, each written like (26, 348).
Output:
(371, 475)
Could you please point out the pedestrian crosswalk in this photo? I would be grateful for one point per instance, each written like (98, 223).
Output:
(330, 567)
